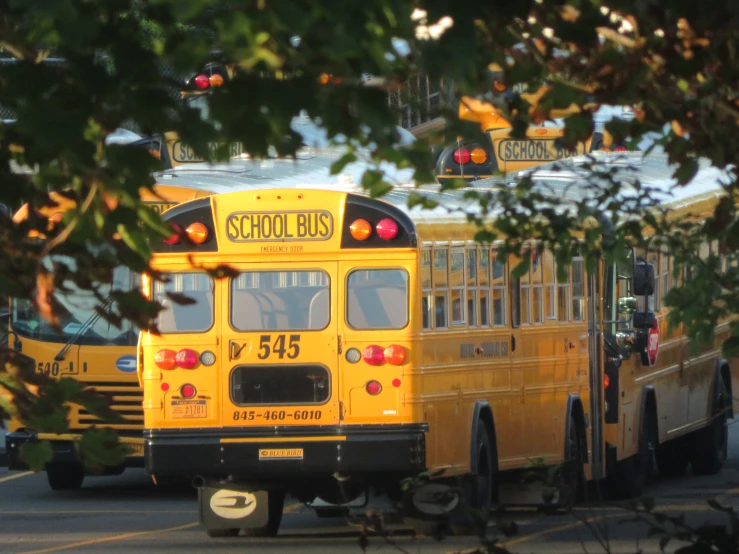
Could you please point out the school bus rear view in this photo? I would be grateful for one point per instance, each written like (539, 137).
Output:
(293, 368)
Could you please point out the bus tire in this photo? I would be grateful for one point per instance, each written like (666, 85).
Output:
(633, 474)
(276, 505)
(65, 477)
(472, 514)
(222, 533)
(673, 457)
(571, 477)
(711, 442)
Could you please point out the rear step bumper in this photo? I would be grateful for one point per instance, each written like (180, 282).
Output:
(262, 451)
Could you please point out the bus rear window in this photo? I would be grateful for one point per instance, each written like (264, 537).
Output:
(280, 301)
(377, 299)
(194, 317)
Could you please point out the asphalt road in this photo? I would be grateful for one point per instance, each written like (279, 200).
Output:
(129, 514)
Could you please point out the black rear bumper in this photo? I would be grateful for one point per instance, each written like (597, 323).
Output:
(286, 451)
(63, 451)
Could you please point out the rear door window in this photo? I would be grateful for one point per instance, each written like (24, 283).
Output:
(377, 299)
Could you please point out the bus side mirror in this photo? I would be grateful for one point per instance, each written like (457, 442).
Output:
(644, 320)
(4, 210)
(643, 279)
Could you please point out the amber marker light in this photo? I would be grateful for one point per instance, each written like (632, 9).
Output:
(394, 354)
(360, 229)
(197, 232)
(215, 80)
(479, 156)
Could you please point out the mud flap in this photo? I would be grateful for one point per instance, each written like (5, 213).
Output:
(231, 509)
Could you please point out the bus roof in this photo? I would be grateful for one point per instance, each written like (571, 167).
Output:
(567, 179)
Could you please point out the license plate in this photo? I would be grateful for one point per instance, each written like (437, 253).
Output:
(510, 150)
(138, 449)
(281, 454)
(186, 409)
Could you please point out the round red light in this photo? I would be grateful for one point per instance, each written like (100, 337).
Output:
(374, 355)
(462, 156)
(396, 382)
(174, 238)
(201, 81)
(186, 358)
(188, 391)
(373, 388)
(165, 359)
(387, 229)
(165, 387)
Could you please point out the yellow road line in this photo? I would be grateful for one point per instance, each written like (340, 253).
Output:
(16, 476)
(290, 508)
(111, 539)
(87, 512)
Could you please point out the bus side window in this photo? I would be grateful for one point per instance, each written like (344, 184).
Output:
(563, 295)
(457, 285)
(550, 286)
(441, 292)
(524, 297)
(483, 274)
(537, 296)
(578, 290)
(515, 302)
(499, 293)
(426, 291)
(471, 264)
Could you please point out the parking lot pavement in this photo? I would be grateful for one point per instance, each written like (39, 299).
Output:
(129, 514)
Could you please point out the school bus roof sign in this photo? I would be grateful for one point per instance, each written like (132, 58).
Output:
(282, 226)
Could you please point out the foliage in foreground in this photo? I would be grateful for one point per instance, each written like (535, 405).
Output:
(675, 62)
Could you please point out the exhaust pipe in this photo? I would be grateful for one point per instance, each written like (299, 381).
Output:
(198, 482)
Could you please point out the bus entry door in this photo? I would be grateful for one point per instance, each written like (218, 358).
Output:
(280, 343)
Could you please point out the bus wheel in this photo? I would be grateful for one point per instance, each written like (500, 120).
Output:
(711, 445)
(673, 457)
(276, 504)
(222, 533)
(65, 477)
(473, 513)
(634, 473)
(571, 477)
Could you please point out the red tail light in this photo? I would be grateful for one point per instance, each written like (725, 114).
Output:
(186, 358)
(165, 359)
(374, 355)
(201, 81)
(394, 354)
(174, 238)
(387, 229)
(188, 391)
(373, 388)
(462, 156)
(606, 381)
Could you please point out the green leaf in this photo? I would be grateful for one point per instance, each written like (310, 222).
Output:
(687, 170)
(342, 162)
(36, 454)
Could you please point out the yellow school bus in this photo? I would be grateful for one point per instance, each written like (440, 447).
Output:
(357, 339)
(88, 349)
(470, 160)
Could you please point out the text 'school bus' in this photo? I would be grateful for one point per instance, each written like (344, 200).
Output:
(88, 349)
(357, 339)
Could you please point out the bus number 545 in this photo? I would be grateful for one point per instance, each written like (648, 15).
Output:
(281, 347)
